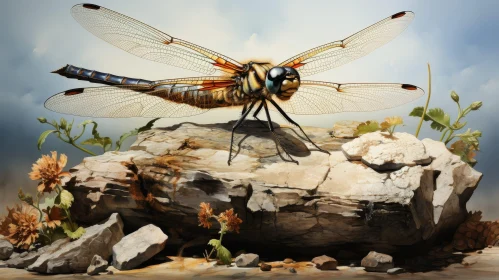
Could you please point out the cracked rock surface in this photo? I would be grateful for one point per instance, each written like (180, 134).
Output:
(379, 194)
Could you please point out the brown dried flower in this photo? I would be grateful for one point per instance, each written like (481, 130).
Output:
(204, 215)
(21, 225)
(53, 216)
(230, 219)
(49, 170)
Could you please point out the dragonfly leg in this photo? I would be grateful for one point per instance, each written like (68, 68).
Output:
(255, 115)
(296, 124)
(276, 137)
(244, 109)
(236, 125)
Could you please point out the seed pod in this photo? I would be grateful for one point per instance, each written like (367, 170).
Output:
(476, 105)
(454, 96)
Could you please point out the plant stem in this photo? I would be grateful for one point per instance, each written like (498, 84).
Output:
(82, 149)
(427, 102)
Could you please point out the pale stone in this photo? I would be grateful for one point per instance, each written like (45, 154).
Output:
(345, 129)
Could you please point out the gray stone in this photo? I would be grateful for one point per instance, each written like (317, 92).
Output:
(247, 260)
(292, 270)
(75, 256)
(377, 262)
(25, 259)
(325, 262)
(345, 129)
(6, 248)
(327, 201)
(97, 265)
(395, 270)
(138, 247)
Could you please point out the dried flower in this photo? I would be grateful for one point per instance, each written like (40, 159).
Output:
(49, 170)
(204, 215)
(230, 219)
(53, 217)
(23, 225)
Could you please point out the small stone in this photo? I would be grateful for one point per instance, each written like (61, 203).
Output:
(3, 264)
(325, 263)
(377, 262)
(110, 272)
(490, 246)
(247, 260)
(138, 247)
(265, 267)
(97, 265)
(396, 270)
(6, 248)
(479, 251)
(470, 260)
(288, 260)
(292, 270)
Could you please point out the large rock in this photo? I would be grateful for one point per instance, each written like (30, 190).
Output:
(377, 262)
(75, 256)
(326, 202)
(247, 260)
(26, 259)
(138, 247)
(325, 262)
(97, 265)
(6, 248)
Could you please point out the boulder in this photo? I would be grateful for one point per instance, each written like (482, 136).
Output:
(325, 262)
(377, 262)
(385, 194)
(75, 256)
(6, 248)
(138, 247)
(345, 129)
(26, 259)
(247, 260)
(97, 265)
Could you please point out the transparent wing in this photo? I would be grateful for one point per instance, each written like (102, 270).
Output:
(166, 98)
(337, 53)
(147, 42)
(315, 98)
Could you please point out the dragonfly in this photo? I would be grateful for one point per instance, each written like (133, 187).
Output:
(229, 83)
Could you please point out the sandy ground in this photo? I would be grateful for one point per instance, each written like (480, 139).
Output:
(486, 267)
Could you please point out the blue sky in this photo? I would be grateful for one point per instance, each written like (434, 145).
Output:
(458, 38)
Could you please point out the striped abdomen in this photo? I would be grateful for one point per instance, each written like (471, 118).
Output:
(74, 72)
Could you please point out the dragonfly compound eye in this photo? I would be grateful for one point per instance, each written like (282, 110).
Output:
(282, 81)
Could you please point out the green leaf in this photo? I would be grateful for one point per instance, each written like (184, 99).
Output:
(66, 199)
(134, 132)
(440, 119)
(418, 112)
(43, 136)
(73, 234)
(470, 138)
(369, 126)
(104, 142)
(215, 243)
(224, 255)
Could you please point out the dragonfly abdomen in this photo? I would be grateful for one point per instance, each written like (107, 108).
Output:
(73, 72)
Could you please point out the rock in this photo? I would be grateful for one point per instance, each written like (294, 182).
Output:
(265, 267)
(110, 272)
(288, 260)
(247, 260)
(6, 248)
(292, 270)
(25, 259)
(377, 262)
(97, 265)
(325, 262)
(383, 152)
(324, 204)
(345, 129)
(3, 264)
(138, 247)
(75, 256)
(395, 270)
(469, 260)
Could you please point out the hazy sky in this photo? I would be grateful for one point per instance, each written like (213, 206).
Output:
(458, 38)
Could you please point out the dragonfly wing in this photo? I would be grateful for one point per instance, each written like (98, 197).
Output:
(337, 53)
(315, 98)
(167, 98)
(149, 43)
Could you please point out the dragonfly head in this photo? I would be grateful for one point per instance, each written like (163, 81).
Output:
(282, 81)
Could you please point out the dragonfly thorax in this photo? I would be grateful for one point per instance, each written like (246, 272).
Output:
(282, 81)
